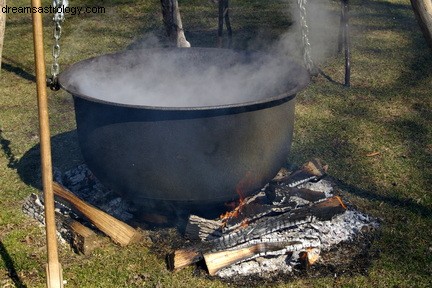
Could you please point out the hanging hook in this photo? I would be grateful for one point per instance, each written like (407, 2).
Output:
(52, 83)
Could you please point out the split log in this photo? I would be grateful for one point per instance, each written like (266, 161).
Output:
(217, 260)
(323, 210)
(83, 239)
(308, 257)
(306, 194)
(204, 229)
(311, 171)
(118, 231)
(199, 228)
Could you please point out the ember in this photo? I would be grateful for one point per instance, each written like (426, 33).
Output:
(291, 222)
(244, 184)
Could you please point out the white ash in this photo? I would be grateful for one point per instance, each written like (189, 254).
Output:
(322, 235)
(34, 208)
(316, 234)
(320, 186)
(83, 184)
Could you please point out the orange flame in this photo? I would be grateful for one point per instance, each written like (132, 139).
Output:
(234, 213)
(245, 223)
(244, 184)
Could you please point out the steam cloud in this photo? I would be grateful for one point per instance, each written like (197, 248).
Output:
(188, 79)
(184, 78)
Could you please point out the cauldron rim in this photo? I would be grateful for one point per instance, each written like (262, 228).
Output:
(302, 79)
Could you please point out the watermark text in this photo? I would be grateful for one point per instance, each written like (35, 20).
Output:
(77, 10)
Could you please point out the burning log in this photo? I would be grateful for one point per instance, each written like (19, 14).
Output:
(309, 257)
(253, 209)
(199, 228)
(310, 171)
(117, 230)
(323, 210)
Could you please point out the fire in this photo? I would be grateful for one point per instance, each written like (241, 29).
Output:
(243, 185)
(234, 213)
(244, 223)
(310, 256)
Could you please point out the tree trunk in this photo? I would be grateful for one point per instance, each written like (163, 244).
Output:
(2, 27)
(173, 22)
(423, 12)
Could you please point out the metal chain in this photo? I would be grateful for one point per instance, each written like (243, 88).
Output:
(304, 30)
(58, 19)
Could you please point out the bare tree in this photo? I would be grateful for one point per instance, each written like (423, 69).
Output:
(173, 22)
(423, 12)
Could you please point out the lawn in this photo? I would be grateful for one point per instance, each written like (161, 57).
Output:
(387, 110)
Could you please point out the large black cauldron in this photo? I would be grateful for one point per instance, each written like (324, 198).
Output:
(190, 126)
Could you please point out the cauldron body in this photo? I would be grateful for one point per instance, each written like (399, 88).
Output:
(189, 155)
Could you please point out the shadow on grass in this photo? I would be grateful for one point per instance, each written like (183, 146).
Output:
(406, 204)
(16, 68)
(10, 266)
(4, 144)
(65, 155)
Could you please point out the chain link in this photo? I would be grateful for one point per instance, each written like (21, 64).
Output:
(304, 30)
(58, 19)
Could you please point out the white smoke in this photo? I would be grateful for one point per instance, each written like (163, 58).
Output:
(170, 79)
(185, 77)
(322, 19)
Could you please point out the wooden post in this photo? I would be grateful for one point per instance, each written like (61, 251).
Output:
(347, 44)
(423, 12)
(2, 27)
(53, 268)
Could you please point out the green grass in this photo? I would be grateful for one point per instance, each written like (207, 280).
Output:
(388, 109)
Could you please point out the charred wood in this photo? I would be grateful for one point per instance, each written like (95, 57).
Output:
(199, 228)
(322, 210)
(252, 210)
(312, 170)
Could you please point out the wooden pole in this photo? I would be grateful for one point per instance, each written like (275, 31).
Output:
(2, 28)
(53, 268)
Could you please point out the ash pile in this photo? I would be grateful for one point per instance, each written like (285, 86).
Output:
(94, 209)
(294, 223)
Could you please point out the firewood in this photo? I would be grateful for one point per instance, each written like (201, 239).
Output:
(83, 239)
(308, 257)
(217, 260)
(323, 210)
(182, 258)
(199, 228)
(311, 171)
(118, 231)
(306, 194)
